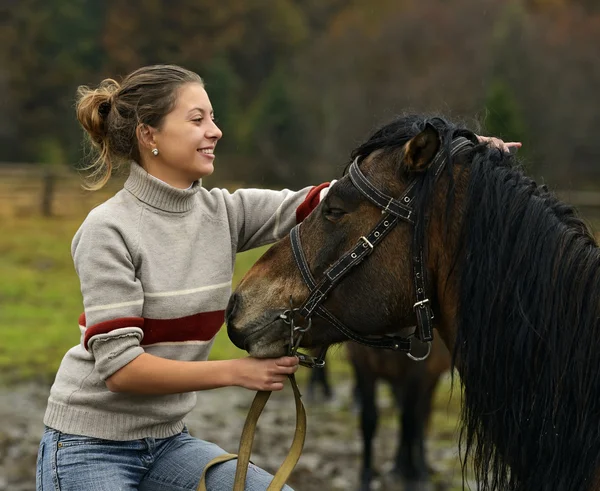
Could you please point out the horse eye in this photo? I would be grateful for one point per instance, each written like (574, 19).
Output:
(333, 214)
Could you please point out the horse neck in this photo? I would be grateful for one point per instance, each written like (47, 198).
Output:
(443, 240)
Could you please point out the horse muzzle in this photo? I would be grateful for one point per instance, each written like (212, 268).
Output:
(264, 336)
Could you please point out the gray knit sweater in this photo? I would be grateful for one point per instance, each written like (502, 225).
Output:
(155, 265)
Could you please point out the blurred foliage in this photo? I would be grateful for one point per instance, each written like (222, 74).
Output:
(503, 118)
(296, 85)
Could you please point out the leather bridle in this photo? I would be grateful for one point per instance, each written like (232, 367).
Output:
(394, 210)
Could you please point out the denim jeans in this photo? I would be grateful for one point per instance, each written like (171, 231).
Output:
(78, 463)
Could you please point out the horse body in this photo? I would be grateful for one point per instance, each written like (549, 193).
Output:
(513, 278)
(413, 385)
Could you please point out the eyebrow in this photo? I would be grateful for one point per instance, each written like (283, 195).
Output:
(212, 113)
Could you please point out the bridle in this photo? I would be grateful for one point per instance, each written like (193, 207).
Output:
(394, 210)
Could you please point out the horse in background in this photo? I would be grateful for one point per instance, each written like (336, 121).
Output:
(413, 386)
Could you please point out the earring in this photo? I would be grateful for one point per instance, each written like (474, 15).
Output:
(155, 151)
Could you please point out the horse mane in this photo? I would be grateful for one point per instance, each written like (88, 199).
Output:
(526, 345)
(527, 334)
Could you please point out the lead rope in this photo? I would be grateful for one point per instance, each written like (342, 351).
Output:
(247, 439)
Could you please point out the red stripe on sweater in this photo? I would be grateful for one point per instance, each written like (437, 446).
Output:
(108, 326)
(198, 327)
(310, 202)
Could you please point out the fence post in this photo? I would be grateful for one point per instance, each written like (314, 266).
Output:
(49, 179)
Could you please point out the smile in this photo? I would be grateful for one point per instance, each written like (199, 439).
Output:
(209, 152)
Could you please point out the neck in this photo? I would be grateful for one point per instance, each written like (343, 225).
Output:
(168, 175)
(159, 194)
(443, 244)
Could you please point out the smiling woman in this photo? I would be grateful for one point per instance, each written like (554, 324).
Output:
(184, 145)
(155, 263)
(161, 118)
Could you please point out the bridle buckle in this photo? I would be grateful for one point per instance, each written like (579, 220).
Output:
(420, 304)
(366, 242)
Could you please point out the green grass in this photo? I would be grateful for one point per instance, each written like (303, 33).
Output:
(40, 300)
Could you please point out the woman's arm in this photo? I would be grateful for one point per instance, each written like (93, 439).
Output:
(263, 216)
(148, 374)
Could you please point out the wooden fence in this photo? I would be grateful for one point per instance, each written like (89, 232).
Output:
(28, 190)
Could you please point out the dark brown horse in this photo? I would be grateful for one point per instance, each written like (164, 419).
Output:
(510, 273)
(413, 385)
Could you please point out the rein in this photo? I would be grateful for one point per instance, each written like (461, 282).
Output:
(394, 211)
(247, 439)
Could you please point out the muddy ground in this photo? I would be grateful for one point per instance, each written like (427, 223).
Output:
(331, 456)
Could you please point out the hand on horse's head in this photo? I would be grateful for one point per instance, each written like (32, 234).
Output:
(508, 147)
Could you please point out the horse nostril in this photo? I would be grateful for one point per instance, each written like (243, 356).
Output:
(231, 307)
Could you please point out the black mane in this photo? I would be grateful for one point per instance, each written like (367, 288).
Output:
(526, 344)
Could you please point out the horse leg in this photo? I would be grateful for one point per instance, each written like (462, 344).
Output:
(410, 462)
(365, 390)
(319, 377)
(325, 380)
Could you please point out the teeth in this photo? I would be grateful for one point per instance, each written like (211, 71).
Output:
(207, 150)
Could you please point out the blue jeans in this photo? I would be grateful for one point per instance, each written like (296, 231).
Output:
(75, 463)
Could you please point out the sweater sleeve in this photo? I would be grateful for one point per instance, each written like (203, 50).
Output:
(112, 295)
(262, 216)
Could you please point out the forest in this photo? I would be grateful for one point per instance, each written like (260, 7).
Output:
(297, 84)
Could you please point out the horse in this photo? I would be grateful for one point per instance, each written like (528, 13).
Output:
(413, 386)
(507, 274)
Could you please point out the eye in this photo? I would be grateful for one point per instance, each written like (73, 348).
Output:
(333, 214)
(198, 120)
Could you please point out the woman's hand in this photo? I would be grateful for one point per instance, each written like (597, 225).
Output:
(264, 373)
(508, 147)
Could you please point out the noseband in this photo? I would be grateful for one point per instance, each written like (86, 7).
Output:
(393, 211)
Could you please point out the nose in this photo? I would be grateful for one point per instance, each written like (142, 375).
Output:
(214, 132)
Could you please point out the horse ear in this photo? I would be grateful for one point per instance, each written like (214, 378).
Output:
(420, 150)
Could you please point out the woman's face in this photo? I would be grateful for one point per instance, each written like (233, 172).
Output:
(186, 140)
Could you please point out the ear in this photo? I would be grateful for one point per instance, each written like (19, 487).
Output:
(420, 150)
(146, 136)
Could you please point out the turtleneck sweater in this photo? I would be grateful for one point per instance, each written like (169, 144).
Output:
(155, 264)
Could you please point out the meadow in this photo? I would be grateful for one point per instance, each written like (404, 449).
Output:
(40, 300)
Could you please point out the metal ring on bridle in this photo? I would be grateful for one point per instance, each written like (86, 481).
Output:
(424, 357)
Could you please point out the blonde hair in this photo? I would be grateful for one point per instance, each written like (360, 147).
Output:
(111, 113)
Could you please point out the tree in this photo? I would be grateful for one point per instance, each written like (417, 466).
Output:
(503, 118)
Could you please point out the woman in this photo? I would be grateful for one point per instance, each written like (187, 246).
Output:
(155, 264)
